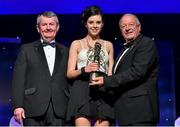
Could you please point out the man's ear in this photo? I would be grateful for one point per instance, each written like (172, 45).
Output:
(58, 27)
(37, 27)
(139, 27)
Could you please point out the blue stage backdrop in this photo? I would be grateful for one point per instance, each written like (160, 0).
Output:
(10, 11)
(76, 6)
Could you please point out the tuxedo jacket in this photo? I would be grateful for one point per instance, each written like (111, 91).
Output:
(135, 83)
(33, 86)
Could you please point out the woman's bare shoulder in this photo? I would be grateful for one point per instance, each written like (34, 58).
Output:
(77, 43)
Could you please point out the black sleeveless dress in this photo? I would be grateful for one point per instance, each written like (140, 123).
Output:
(90, 101)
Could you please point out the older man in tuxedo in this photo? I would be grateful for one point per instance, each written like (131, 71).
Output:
(39, 86)
(134, 79)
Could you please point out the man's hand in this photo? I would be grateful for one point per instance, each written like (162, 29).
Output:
(98, 81)
(19, 115)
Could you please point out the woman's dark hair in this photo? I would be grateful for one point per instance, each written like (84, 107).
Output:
(90, 11)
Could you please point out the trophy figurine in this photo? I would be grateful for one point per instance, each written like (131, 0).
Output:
(97, 50)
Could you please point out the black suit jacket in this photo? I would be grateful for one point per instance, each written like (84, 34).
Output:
(33, 86)
(135, 83)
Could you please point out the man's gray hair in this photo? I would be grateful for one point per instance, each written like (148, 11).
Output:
(129, 14)
(48, 14)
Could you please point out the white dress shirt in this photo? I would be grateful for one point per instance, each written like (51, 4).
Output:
(50, 53)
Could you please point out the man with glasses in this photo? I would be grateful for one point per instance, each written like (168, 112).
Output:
(134, 79)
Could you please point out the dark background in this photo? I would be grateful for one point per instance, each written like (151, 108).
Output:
(163, 28)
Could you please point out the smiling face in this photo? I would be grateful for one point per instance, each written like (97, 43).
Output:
(94, 25)
(130, 27)
(48, 28)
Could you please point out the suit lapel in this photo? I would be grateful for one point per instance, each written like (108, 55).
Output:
(40, 53)
(135, 43)
(58, 58)
(125, 55)
(121, 52)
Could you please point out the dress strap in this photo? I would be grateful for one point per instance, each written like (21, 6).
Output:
(105, 45)
(81, 43)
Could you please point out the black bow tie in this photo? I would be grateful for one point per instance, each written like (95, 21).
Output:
(52, 44)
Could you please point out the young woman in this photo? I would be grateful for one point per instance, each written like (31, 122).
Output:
(88, 102)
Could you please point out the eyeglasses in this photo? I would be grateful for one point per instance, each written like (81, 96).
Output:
(130, 26)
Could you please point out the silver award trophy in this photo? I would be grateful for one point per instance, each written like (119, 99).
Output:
(97, 49)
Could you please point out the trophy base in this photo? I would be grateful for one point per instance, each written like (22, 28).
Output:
(93, 75)
(91, 84)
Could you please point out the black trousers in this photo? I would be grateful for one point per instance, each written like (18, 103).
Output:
(144, 124)
(48, 119)
(147, 123)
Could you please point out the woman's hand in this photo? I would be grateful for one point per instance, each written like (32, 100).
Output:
(91, 67)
